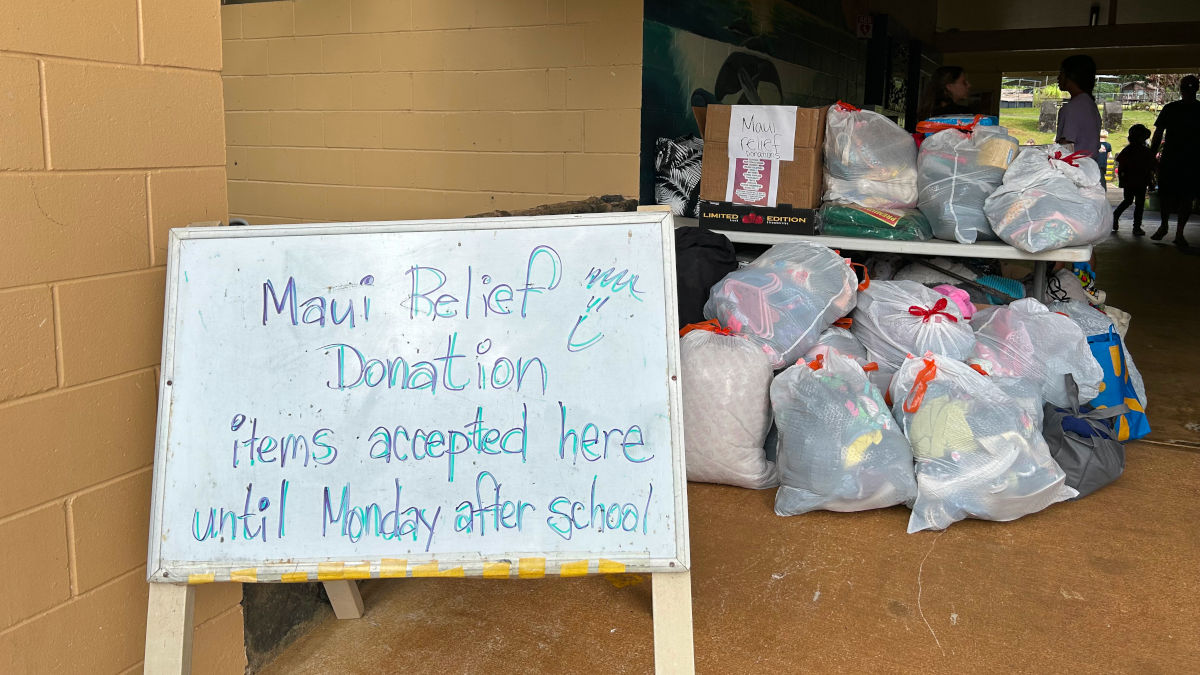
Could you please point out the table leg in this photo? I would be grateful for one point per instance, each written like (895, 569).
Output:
(1039, 281)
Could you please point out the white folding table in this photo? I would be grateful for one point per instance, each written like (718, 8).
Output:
(933, 247)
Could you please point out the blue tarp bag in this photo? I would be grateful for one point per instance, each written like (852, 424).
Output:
(1117, 389)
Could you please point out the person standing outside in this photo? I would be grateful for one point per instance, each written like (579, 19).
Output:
(1078, 118)
(1134, 166)
(1179, 168)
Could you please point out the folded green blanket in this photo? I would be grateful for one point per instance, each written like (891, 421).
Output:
(851, 220)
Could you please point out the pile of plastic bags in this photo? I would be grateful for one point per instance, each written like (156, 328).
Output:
(918, 388)
(885, 393)
(968, 181)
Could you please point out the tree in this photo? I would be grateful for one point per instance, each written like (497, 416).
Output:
(1049, 92)
(1167, 84)
(1165, 80)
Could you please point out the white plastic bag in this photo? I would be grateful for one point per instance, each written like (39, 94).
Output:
(1025, 339)
(956, 171)
(725, 382)
(840, 340)
(881, 378)
(839, 448)
(843, 342)
(868, 159)
(1120, 317)
(979, 453)
(784, 299)
(1026, 394)
(926, 276)
(1050, 199)
(896, 318)
(883, 266)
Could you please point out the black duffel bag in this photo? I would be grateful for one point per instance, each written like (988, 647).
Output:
(1084, 444)
(702, 258)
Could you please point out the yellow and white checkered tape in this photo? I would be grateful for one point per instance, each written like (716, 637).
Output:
(392, 568)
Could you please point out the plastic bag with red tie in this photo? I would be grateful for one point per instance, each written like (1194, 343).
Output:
(1050, 199)
(896, 318)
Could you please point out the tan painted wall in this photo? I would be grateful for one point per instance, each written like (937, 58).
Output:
(392, 109)
(110, 133)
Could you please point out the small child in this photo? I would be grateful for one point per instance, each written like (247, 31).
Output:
(1102, 158)
(1134, 165)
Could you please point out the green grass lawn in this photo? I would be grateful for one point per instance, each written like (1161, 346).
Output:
(1022, 124)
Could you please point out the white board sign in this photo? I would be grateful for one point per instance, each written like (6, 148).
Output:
(485, 396)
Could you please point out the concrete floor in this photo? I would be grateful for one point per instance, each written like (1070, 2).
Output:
(1107, 584)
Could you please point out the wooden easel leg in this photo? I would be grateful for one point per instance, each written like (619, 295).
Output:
(673, 651)
(345, 598)
(169, 629)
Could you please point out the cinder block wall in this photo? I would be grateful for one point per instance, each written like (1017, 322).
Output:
(110, 134)
(392, 109)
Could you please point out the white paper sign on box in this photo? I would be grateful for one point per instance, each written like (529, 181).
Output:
(760, 137)
(762, 132)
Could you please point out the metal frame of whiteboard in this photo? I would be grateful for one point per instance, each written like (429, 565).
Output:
(471, 564)
(982, 249)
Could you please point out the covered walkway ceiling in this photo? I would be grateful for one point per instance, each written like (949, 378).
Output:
(1161, 47)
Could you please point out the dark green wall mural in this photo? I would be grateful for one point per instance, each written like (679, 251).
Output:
(796, 52)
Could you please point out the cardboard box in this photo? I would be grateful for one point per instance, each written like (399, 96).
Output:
(800, 181)
(746, 218)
